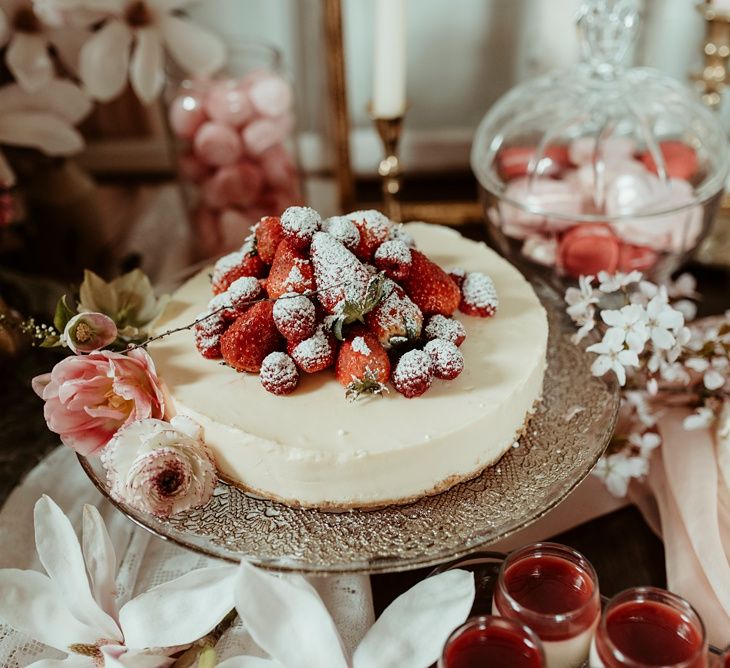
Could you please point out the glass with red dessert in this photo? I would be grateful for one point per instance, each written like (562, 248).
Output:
(644, 627)
(553, 590)
(492, 641)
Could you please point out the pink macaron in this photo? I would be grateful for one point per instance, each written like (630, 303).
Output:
(233, 185)
(278, 167)
(217, 144)
(186, 115)
(229, 102)
(263, 133)
(270, 95)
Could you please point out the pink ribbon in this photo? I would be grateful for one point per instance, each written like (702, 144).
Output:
(694, 509)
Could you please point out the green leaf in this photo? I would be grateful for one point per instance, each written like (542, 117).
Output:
(63, 314)
(51, 341)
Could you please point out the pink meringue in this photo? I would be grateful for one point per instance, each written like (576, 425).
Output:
(264, 133)
(229, 102)
(217, 144)
(186, 115)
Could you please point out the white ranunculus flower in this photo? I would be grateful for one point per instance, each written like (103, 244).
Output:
(160, 467)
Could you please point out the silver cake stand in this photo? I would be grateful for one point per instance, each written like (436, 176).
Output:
(561, 444)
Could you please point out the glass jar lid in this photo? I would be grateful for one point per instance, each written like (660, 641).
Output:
(601, 140)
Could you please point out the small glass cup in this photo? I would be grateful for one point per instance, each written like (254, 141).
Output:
(554, 590)
(645, 626)
(233, 135)
(492, 641)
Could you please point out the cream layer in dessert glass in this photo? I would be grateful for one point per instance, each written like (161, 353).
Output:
(313, 448)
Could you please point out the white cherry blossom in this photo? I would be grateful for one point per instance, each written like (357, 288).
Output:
(631, 322)
(646, 442)
(715, 371)
(663, 322)
(703, 417)
(74, 607)
(618, 469)
(615, 282)
(581, 306)
(131, 44)
(613, 355)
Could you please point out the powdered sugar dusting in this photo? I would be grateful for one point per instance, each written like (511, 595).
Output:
(398, 232)
(359, 345)
(295, 276)
(344, 230)
(478, 291)
(447, 361)
(314, 352)
(373, 220)
(397, 318)
(279, 373)
(393, 251)
(301, 221)
(339, 274)
(226, 264)
(243, 290)
(448, 329)
(412, 375)
(208, 333)
(295, 316)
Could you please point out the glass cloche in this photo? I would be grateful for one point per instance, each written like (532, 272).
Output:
(600, 167)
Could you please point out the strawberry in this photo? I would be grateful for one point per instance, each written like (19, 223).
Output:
(340, 277)
(396, 319)
(412, 375)
(244, 262)
(207, 332)
(315, 353)
(430, 287)
(291, 271)
(344, 230)
(295, 317)
(299, 225)
(447, 361)
(374, 227)
(478, 295)
(279, 374)
(394, 259)
(363, 366)
(268, 235)
(457, 275)
(439, 327)
(251, 338)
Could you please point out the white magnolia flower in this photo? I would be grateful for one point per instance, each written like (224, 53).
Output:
(612, 355)
(703, 417)
(288, 620)
(43, 120)
(131, 44)
(74, 608)
(618, 469)
(645, 442)
(663, 322)
(614, 282)
(631, 322)
(28, 31)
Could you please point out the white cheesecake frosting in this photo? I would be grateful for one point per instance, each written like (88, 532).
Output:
(313, 448)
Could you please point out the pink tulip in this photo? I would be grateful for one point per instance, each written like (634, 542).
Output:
(88, 398)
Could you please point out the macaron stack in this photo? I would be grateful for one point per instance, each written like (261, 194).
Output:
(617, 181)
(233, 154)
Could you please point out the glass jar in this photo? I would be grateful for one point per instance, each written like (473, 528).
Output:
(492, 641)
(645, 626)
(600, 167)
(234, 145)
(553, 589)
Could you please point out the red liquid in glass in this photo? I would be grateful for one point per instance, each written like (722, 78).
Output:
(649, 632)
(493, 647)
(550, 585)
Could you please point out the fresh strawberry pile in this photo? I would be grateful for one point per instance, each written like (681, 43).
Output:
(351, 292)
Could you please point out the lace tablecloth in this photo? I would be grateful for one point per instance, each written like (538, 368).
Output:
(144, 561)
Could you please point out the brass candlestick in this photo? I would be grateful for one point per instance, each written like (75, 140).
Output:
(713, 77)
(389, 131)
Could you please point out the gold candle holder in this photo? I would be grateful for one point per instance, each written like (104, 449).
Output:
(390, 130)
(713, 77)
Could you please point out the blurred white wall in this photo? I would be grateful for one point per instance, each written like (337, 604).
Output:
(462, 55)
